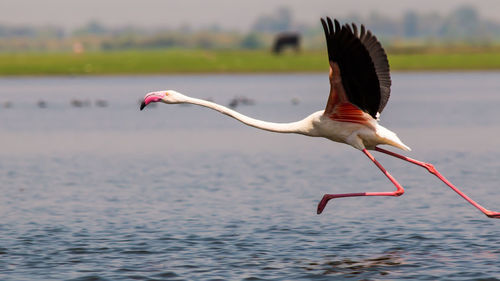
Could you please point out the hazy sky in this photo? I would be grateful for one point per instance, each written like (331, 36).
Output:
(226, 13)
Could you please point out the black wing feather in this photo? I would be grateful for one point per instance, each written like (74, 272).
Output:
(381, 64)
(363, 65)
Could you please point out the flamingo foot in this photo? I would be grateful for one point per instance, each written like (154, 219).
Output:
(323, 202)
(328, 197)
(493, 215)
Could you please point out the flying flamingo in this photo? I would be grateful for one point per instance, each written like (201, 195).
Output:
(359, 90)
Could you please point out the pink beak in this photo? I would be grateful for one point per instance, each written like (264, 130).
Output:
(149, 98)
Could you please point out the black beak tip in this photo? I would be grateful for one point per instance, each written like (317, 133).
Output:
(143, 105)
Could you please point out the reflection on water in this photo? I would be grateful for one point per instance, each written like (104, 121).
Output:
(382, 265)
(103, 191)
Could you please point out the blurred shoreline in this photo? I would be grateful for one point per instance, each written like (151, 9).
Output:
(195, 61)
(459, 40)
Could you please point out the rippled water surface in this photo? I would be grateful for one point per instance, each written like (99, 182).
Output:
(106, 192)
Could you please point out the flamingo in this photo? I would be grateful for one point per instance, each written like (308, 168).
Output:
(360, 84)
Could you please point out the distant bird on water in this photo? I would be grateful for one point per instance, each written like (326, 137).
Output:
(359, 90)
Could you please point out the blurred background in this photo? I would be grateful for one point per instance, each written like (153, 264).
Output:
(219, 27)
(94, 189)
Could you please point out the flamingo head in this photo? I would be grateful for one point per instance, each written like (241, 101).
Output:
(168, 97)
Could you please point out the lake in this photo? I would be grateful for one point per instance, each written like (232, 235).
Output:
(94, 189)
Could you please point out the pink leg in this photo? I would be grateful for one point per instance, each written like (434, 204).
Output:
(399, 191)
(433, 170)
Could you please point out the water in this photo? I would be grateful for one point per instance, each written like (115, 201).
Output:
(184, 193)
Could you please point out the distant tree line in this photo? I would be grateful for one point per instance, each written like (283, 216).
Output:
(463, 25)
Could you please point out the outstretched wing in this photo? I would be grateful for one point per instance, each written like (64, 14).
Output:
(359, 70)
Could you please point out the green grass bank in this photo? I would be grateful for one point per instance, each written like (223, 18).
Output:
(224, 61)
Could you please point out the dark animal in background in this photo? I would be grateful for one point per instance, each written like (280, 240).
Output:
(7, 104)
(240, 100)
(41, 104)
(80, 103)
(101, 103)
(286, 40)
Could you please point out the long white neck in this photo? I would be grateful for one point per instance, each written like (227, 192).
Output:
(304, 126)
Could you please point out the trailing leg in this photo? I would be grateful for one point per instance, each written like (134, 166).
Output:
(435, 172)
